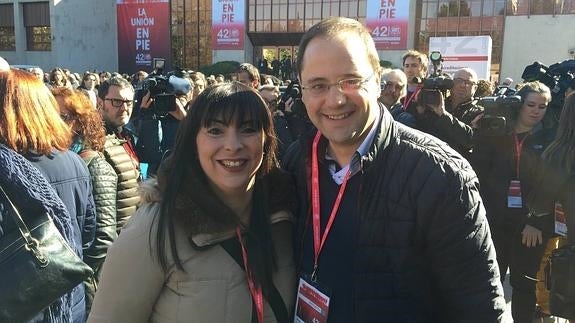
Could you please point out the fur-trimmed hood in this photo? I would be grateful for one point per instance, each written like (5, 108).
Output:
(149, 191)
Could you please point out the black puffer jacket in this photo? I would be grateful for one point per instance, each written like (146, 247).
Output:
(494, 161)
(424, 251)
(555, 184)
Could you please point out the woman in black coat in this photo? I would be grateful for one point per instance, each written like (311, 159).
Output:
(557, 182)
(506, 166)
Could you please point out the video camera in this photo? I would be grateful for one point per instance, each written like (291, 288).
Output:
(558, 77)
(293, 91)
(164, 89)
(498, 111)
(436, 84)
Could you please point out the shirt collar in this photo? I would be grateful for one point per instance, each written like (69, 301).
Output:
(339, 175)
(364, 147)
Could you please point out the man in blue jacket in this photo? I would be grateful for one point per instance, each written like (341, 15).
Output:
(390, 225)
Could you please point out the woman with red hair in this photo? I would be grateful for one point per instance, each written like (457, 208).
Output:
(89, 137)
(30, 125)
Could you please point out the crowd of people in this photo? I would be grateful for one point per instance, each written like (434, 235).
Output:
(357, 195)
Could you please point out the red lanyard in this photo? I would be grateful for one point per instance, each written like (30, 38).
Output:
(256, 292)
(407, 100)
(518, 149)
(317, 245)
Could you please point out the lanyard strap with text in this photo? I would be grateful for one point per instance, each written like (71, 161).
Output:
(407, 100)
(317, 244)
(256, 292)
(518, 149)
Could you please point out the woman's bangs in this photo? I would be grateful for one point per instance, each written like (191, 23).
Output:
(238, 108)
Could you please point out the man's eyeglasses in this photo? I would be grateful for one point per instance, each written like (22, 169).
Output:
(394, 86)
(117, 103)
(346, 86)
(460, 81)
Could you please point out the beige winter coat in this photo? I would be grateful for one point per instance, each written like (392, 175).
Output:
(213, 288)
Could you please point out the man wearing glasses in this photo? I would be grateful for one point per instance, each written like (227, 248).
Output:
(456, 120)
(393, 92)
(390, 225)
(115, 103)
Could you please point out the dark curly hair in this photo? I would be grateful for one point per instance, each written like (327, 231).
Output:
(84, 120)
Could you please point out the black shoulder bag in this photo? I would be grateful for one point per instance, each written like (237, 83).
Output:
(37, 266)
(233, 248)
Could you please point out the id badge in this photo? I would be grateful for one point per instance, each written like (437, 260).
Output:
(312, 303)
(560, 220)
(514, 200)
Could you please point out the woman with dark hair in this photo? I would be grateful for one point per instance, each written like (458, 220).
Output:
(88, 87)
(557, 186)
(507, 166)
(88, 141)
(30, 124)
(212, 242)
(58, 78)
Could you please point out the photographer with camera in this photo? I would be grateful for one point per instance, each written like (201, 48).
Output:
(293, 108)
(559, 77)
(271, 95)
(415, 68)
(455, 119)
(163, 103)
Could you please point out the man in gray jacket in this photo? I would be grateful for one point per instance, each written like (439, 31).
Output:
(115, 103)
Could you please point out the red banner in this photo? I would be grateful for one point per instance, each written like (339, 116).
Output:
(143, 33)
(387, 20)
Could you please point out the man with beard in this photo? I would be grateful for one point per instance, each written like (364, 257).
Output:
(115, 103)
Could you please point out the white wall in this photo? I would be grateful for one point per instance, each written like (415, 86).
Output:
(229, 55)
(84, 36)
(536, 38)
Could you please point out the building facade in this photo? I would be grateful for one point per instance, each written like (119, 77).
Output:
(82, 35)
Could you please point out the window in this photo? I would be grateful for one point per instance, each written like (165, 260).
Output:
(542, 7)
(7, 35)
(37, 24)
